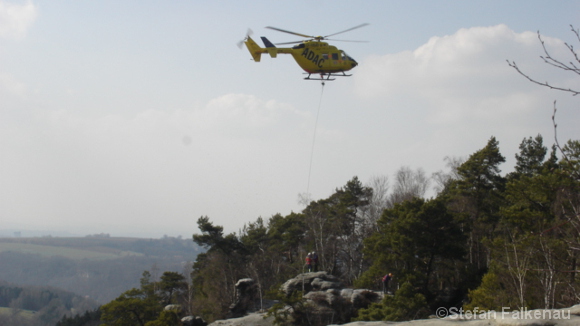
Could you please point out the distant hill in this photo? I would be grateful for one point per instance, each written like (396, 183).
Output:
(98, 267)
(35, 305)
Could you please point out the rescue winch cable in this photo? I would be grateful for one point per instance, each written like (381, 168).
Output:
(314, 140)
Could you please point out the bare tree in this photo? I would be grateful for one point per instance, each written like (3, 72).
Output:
(409, 184)
(379, 200)
(442, 178)
(187, 270)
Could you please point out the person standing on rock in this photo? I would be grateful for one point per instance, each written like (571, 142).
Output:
(315, 261)
(309, 262)
(386, 279)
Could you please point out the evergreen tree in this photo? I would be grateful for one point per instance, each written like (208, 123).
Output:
(532, 241)
(131, 308)
(531, 157)
(172, 285)
(286, 234)
(145, 306)
(415, 239)
(481, 182)
(478, 194)
(89, 318)
(406, 304)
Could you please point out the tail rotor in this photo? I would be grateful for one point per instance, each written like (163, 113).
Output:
(248, 34)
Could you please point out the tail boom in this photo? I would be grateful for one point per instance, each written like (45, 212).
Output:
(256, 51)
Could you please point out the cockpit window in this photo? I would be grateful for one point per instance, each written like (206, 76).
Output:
(346, 56)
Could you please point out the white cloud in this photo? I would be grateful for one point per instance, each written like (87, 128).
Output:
(456, 91)
(10, 85)
(16, 19)
(467, 64)
(232, 155)
(240, 112)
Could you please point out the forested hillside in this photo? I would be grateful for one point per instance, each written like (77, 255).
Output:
(485, 239)
(98, 266)
(32, 305)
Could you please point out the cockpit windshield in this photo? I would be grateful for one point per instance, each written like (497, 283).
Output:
(346, 56)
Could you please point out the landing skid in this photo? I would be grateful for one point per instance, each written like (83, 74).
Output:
(326, 76)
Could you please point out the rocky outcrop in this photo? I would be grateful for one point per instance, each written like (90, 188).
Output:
(327, 299)
(187, 320)
(361, 298)
(330, 303)
(248, 299)
(325, 296)
(246, 296)
(193, 321)
(173, 307)
(564, 317)
(307, 282)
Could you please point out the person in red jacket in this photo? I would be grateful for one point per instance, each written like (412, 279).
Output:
(309, 262)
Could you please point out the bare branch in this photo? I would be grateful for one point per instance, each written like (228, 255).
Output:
(546, 84)
(575, 31)
(554, 62)
(547, 58)
(573, 173)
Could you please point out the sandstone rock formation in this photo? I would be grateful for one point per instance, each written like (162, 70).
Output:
(566, 317)
(193, 321)
(246, 296)
(329, 301)
(307, 282)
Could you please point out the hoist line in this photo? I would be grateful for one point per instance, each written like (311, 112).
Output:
(314, 140)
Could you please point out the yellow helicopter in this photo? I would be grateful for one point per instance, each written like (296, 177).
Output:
(312, 55)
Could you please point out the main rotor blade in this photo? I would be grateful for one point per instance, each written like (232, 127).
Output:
(347, 30)
(353, 41)
(289, 32)
(284, 43)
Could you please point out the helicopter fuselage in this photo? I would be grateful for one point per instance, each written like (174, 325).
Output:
(316, 56)
(312, 56)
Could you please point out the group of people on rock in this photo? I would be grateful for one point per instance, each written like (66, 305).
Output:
(312, 262)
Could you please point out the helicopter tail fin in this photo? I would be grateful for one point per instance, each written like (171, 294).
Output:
(271, 48)
(267, 42)
(255, 50)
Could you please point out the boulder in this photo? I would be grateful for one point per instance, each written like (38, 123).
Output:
(246, 297)
(328, 301)
(307, 282)
(193, 321)
(174, 307)
(362, 298)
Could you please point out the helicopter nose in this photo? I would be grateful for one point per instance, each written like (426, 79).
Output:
(353, 62)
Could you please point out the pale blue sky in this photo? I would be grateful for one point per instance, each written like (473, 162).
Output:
(137, 117)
